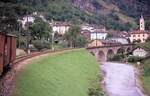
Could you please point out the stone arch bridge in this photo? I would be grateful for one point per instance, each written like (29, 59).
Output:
(104, 53)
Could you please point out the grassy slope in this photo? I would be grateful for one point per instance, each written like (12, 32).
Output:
(147, 45)
(146, 78)
(146, 66)
(67, 74)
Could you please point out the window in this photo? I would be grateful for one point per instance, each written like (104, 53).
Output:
(138, 35)
(143, 35)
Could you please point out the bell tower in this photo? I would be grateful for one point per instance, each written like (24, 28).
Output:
(142, 24)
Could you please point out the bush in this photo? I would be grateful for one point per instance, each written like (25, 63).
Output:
(41, 44)
(146, 66)
(63, 44)
(134, 59)
(81, 41)
(95, 89)
(118, 57)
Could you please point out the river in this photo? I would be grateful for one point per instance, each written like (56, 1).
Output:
(120, 80)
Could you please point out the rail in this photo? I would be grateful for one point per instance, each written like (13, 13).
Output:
(24, 57)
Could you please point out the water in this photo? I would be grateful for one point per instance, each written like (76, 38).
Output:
(120, 80)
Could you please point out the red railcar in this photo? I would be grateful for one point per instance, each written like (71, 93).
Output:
(7, 51)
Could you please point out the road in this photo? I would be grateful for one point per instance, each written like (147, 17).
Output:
(120, 80)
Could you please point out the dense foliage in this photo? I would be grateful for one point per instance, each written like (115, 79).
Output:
(74, 37)
(10, 11)
(40, 30)
(118, 57)
(66, 11)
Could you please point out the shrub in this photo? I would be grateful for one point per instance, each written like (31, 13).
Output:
(41, 44)
(118, 57)
(146, 67)
(134, 59)
(81, 41)
(95, 89)
(63, 44)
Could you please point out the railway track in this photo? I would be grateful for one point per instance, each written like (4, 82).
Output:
(24, 57)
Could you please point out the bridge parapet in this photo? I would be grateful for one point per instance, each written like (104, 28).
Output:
(118, 45)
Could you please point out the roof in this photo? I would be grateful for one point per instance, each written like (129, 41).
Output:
(85, 31)
(98, 32)
(106, 41)
(94, 26)
(142, 47)
(60, 24)
(140, 32)
(120, 33)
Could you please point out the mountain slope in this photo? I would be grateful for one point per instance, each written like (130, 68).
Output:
(114, 14)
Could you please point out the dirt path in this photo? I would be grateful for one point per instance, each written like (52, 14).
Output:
(121, 80)
(7, 84)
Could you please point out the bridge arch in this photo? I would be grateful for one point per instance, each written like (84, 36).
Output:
(92, 53)
(110, 54)
(129, 49)
(101, 56)
(120, 51)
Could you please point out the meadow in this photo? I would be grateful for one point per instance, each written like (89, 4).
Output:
(67, 74)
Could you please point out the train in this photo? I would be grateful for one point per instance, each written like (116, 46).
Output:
(7, 51)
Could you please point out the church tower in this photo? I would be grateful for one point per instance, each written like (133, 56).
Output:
(142, 24)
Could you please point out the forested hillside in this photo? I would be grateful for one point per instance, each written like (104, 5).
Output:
(114, 14)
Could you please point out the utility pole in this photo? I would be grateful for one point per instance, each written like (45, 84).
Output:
(96, 38)
(19, 25)
(52, 38)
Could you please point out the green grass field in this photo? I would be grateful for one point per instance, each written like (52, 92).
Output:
(66, 74)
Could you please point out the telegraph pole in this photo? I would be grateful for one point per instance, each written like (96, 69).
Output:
(96, 38)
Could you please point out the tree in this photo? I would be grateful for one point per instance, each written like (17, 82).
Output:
(81, 41)
(148, 39)
(10, 11)
(147, 25)
(40, 30)
(109, 35)
(72, 35)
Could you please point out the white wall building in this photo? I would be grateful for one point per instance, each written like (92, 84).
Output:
(98, 35)
(140, 52)
(60, 27)
(27, 19)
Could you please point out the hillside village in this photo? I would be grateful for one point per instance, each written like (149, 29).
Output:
(97, 35)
